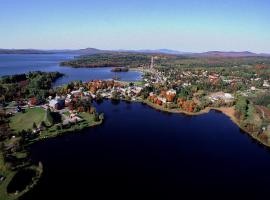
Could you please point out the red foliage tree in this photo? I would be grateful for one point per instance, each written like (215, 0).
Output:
(33, 101)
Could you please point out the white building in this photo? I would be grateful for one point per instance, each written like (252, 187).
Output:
(171, 92)
(162, 99)
(266, 83)
(253, 88)
(227, 97)
(53, 103)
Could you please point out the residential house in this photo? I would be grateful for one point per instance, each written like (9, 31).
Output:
(57, 104)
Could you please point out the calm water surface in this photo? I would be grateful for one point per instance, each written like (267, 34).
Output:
(15, 64)
(142, 153)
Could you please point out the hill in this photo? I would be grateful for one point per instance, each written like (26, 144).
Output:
(92, 51)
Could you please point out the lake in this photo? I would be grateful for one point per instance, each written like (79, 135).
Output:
(143, 153)
(21, 63)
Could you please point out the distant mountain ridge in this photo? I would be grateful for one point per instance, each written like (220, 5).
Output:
(89, 51)
(227, 54)
(23, 51)
(158, 51)
(37, 51)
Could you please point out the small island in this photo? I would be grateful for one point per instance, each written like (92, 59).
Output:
(120, 69)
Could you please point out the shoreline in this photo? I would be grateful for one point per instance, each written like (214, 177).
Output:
(228, 111)
(38, 168)
(65, 132)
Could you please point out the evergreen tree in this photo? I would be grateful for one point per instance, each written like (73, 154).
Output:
(241, 107)
(34, 126)
(49, 118)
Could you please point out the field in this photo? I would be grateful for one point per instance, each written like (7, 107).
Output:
(24, 121)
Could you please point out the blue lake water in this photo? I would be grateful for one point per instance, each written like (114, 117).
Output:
(15, 64)
(142, 153)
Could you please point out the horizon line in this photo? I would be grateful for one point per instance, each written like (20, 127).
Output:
(143, 49)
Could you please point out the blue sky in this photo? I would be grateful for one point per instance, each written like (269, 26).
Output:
(191, 25)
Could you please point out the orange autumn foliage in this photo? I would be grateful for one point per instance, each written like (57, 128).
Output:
(180, 102)
(170, 97)
(186, 105)
(189, 106)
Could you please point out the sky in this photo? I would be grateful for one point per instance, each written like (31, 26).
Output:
(185, 25)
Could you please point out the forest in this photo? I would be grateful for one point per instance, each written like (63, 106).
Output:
(21, 86)
(120, 59)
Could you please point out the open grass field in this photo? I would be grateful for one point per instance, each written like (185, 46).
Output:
(24, 121)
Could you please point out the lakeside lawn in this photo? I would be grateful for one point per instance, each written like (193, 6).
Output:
(88, 120)
(24, 121)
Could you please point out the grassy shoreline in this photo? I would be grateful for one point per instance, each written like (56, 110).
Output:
(62, 132)
(9, 177)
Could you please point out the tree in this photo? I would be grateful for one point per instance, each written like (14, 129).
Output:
(42, 124)
(48, 117)
(34, 126)
(251, 123)
(96, 117)
(185, 93)
(250, 112)
(115, 95)
(241, 107)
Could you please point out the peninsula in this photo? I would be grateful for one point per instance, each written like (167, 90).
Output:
(31, 111)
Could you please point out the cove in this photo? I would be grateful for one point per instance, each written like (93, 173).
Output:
(142, 153)
(21, 180)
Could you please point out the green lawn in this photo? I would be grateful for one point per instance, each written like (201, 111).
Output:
(24, 121)
(89, 118)
(139, 83)
(67, 113)
(53, 131)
